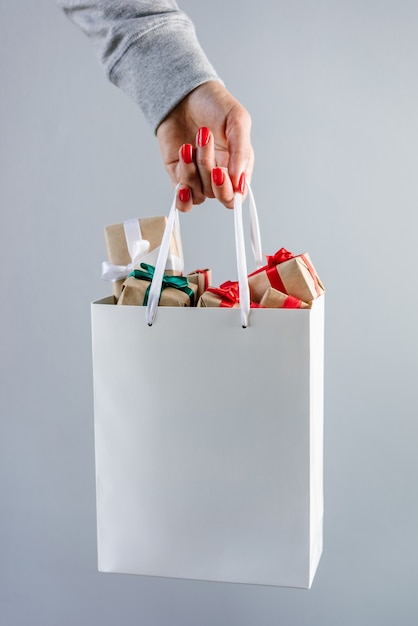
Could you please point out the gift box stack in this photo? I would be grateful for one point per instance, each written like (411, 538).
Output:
(285, 281)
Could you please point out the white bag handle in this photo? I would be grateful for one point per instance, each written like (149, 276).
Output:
(244, 291)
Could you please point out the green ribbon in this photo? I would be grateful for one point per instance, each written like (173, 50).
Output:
(177, 282)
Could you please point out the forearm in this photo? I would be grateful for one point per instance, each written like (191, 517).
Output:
(148, 49)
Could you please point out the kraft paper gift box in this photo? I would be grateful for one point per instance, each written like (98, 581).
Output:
(201, 278)
(274, 299)
(134, 241)
(225, 296)
(291, 274)
(176, 290)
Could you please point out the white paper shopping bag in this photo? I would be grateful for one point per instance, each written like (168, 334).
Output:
(208, 441)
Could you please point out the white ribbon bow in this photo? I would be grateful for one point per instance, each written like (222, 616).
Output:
(138, 249)
(112, 272)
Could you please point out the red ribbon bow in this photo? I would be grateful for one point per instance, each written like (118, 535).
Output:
(228, 292)
(279, 257)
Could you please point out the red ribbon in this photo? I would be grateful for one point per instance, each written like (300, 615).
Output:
(292, 303)
(228, 292)
(280, 256)
(274, 279)
(205, 278)
(313, 275)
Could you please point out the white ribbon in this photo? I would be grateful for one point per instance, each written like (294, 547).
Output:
(155, 289)
(244, 290)
(138, 249)
(255, 231)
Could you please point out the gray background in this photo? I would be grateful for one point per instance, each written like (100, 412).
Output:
(332, 89)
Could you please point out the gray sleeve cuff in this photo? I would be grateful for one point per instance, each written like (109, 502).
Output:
(160, 66)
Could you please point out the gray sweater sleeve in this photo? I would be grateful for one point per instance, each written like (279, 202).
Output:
(147, 48)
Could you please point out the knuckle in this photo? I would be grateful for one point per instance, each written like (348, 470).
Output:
(204, 161)
(198, 198)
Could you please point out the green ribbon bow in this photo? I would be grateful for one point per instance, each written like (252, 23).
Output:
(177, 282)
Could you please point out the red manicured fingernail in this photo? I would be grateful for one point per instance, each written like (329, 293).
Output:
(184, 194)
(187, 153)
(203, 136)
(241, 184)
(218, 176)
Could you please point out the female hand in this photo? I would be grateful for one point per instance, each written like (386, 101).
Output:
(206, 146)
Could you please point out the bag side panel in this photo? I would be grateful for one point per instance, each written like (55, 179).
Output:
(317, 432)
